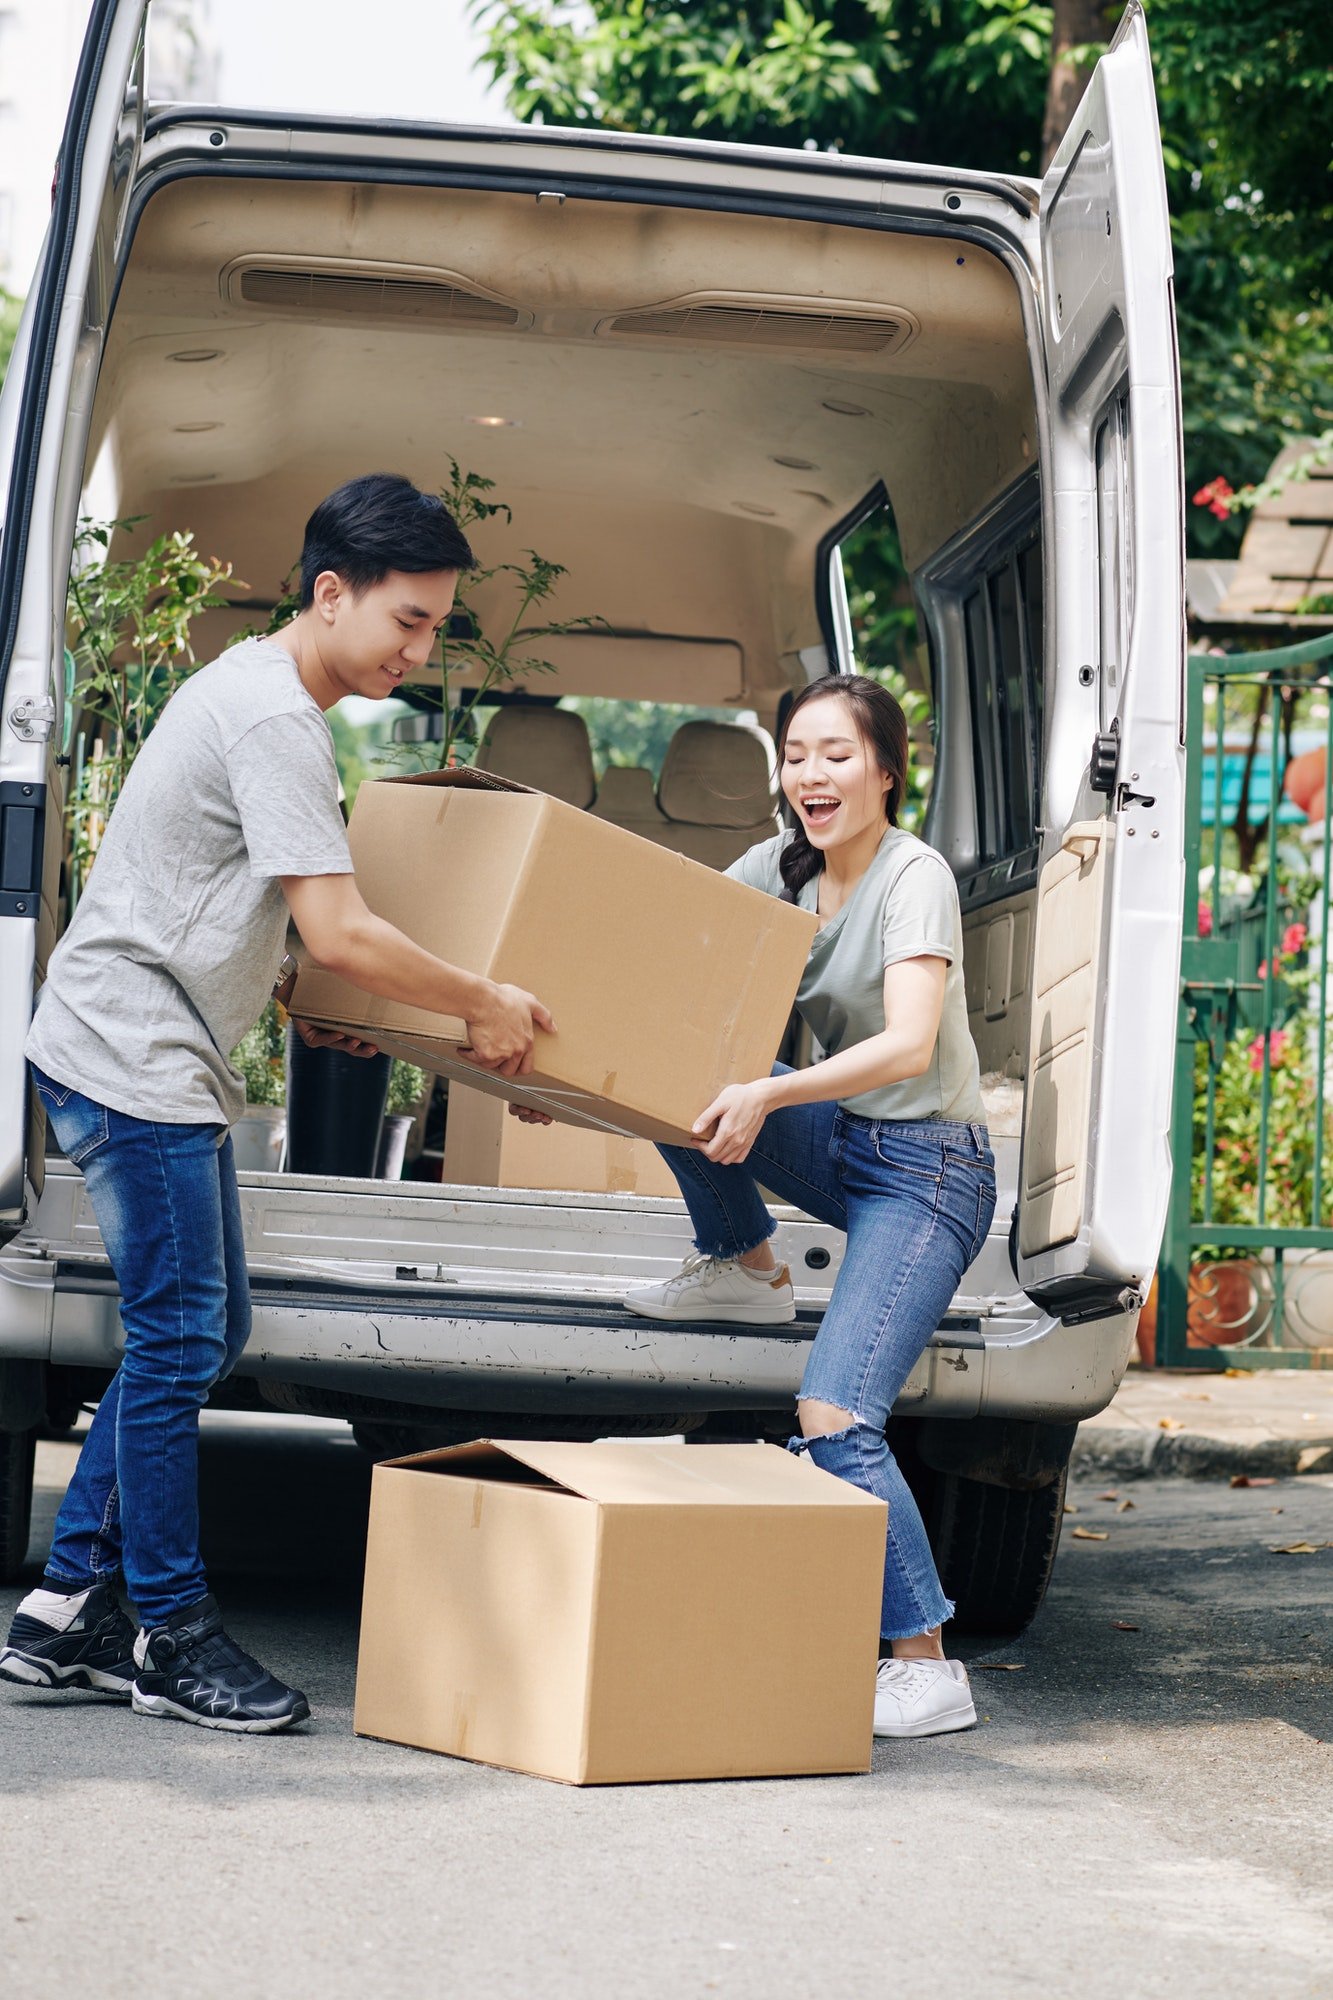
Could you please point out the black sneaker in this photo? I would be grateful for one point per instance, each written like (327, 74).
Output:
(80, 1639)
(189, 1668)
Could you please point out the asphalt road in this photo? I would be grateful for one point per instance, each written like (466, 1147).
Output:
(1141, 1813)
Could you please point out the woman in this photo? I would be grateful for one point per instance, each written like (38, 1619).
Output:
(883, 1138)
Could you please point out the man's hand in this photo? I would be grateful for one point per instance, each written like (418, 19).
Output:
(735, 1116)
(530, 1115)
(500, 1031)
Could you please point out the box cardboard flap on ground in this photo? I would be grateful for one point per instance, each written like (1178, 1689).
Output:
(616, 1613)
(484, 1146)
(666, 980)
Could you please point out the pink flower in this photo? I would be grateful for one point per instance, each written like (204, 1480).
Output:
(1263, 971)
(1214, 496)
(1205, 919)
(1293, 939)
(1277, 1041)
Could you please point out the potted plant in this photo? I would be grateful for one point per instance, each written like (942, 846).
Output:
(259, 1136)
(1231, 1290)
(407, 1086)
(128, 629)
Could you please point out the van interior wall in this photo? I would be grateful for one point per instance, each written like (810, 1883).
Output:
(684, 475)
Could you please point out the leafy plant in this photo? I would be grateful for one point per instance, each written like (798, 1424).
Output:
(1229, 1178)
(128, 629)
(11, 310)
(465, 645)
(406, 1085)
(259, 1056)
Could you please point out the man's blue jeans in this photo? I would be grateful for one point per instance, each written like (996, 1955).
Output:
(916, 1200)
(166, 1202)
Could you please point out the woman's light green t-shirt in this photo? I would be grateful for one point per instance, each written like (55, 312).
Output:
(904, 906)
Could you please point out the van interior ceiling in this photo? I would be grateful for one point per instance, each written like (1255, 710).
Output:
(676, 431)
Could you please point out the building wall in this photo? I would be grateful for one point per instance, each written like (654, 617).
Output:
(39, 52)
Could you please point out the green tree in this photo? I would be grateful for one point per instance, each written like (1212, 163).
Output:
(10, 309)
(1244, 88)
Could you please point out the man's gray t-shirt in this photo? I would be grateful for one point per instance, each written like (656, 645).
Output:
(904, 906)
(177, 939)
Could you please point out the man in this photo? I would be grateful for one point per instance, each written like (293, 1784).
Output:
(228, 822)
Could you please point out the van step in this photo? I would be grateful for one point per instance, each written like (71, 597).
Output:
(94, 1276)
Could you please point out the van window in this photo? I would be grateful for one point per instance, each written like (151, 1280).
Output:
(1002, 618)
(887, 641)
(1114, 567)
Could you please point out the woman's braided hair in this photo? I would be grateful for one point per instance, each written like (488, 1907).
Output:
(882, 727)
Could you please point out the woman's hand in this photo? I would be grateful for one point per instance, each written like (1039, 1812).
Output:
(329, 1038)
(530, 1114)
(735, 1115)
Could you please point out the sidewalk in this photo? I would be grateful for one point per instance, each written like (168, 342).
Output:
(1264, 1423)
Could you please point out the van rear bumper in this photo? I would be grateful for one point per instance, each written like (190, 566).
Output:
(488, 1352)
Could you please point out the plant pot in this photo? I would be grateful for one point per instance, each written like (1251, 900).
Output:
(1228, 1302)
(1307, 1300)
(335, 1110)
(1146, 1333)
(394, 1134)
(257, 1138)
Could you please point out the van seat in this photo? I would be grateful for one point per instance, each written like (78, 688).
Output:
(546, 748)
(717, 791)
(627, 798)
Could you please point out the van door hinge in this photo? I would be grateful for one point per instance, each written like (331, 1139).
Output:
(1105, 760)
(34, 719)
(22, 833)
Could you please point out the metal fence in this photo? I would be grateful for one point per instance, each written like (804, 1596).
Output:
(1246, 1273)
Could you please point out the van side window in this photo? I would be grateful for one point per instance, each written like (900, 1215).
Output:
(1114, 564)
(1002, 618)
(885, 639)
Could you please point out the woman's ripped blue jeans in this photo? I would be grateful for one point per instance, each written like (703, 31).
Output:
(916, 1201)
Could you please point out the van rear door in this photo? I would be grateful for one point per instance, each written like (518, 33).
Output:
(44, 412)
(1095, 1164)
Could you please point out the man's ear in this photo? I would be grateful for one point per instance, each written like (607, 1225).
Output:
(329, 592)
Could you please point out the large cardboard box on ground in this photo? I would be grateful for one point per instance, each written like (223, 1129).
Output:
(486, 1146)
(666, 980)
(621, 1612)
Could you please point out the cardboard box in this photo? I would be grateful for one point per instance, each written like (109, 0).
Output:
(486, 1146)
(665, 979)
(612, 1613)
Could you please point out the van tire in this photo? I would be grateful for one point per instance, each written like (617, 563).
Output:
(994, 1547)
(17, 1452)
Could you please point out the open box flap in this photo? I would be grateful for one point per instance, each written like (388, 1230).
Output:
(653, 1472)
(462, 778)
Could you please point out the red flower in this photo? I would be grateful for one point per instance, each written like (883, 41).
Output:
(1263, 971)
(1277, 1041)
(1293, 939)
(1205, 919)
(1214, 496)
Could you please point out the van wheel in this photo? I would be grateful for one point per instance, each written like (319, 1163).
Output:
(17, 1452)
(995, 1548)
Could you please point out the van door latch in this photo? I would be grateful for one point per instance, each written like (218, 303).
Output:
(33, 719)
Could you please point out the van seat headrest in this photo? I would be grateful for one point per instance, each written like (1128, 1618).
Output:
(718, 774)
(547, 748)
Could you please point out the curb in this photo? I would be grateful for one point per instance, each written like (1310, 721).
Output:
(1102, 1452)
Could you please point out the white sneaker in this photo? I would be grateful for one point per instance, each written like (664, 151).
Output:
(718, 1288)
(922, 1698)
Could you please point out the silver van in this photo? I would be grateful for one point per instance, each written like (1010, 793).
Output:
(703, 366)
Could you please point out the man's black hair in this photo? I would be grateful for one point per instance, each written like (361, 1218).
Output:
(377, 523)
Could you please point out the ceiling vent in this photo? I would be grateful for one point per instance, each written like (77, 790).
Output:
(385, 294)
(779, 325)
